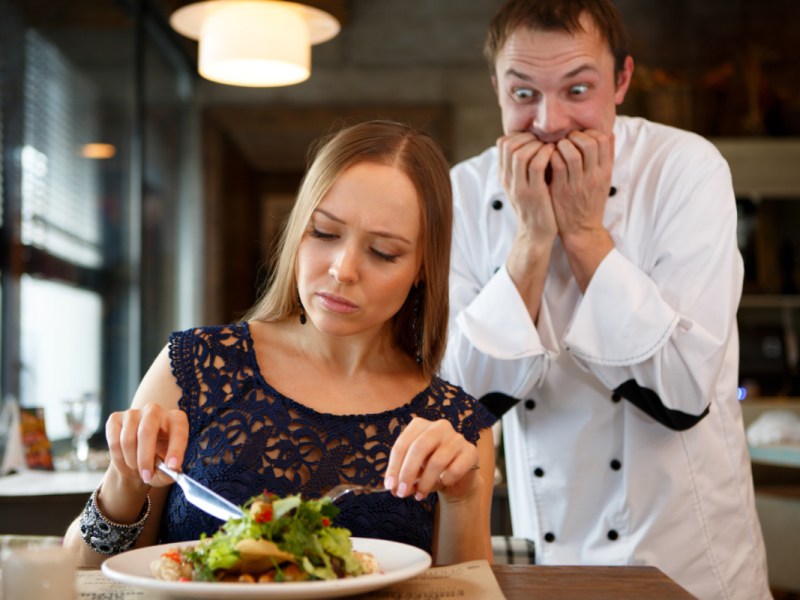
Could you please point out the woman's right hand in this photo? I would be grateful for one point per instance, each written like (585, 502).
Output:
(139, 437)
(152, 429)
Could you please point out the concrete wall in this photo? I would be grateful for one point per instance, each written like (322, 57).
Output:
(398, 52)
(697, 65)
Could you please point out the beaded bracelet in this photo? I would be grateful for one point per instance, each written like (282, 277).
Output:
(105, 536)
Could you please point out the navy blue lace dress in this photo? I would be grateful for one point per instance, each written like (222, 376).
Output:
(245, 437)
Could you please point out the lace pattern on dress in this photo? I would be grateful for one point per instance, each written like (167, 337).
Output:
(245, 437)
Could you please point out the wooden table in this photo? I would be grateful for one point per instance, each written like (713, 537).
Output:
(524, 582)
(518, 582)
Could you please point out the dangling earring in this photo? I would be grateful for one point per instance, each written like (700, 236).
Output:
(417, 324)
(303, 318)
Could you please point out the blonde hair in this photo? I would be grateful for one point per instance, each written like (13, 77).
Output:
(422, 332)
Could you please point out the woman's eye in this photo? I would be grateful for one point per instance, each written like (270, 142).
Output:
(522, 94)
(578, 89)
(316, 233)
(385, 256)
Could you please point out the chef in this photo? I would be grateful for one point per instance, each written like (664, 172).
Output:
(595, 278)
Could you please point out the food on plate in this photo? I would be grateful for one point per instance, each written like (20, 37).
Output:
(278, 539)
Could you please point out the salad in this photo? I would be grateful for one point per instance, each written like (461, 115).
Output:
(278, 539)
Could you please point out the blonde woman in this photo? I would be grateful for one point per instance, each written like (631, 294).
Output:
(329, 379)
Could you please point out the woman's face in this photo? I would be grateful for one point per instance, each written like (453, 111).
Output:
(361, 251)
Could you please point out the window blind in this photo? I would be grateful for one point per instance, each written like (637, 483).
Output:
(60, 188)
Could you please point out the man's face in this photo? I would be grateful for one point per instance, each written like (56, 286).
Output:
(551, 83)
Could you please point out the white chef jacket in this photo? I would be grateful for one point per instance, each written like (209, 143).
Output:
(627, 446)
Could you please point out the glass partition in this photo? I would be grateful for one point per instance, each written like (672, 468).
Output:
(97, 181)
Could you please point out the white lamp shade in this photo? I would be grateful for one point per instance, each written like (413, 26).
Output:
(254, 43)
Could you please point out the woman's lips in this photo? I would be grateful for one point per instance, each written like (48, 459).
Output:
(336, 303)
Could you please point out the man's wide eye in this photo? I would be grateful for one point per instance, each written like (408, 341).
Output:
(522, 93)
(578, 89)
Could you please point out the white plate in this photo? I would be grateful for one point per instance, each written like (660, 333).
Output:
(397, 562)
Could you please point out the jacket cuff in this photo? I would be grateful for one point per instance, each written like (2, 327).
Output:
(622, 319)
(497, 321)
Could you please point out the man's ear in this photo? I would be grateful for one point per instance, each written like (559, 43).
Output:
(624, 77)
(494, 84)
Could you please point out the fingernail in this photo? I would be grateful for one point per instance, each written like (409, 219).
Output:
(388, 483)
(401, 490)
(172, 463)
(419, 496)
(146, 475)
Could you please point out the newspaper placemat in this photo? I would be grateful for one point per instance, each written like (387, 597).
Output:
(470, 580)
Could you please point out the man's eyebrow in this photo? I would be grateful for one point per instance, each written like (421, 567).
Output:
(378, 232)
(575, 72)
(517, 74)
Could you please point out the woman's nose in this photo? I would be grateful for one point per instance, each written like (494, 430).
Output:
(345, 268)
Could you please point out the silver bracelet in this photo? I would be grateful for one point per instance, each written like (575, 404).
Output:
(105, 536)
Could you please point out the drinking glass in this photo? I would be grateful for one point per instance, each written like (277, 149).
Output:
(83, 418)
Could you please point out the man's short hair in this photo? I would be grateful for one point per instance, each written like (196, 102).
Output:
(557, 15)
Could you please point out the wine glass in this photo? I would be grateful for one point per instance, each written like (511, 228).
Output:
(83, 418)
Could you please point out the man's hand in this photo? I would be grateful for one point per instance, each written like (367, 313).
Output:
(524, 161)
(581, 179)
(582, 165)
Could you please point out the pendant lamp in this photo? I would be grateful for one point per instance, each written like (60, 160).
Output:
(254, 43)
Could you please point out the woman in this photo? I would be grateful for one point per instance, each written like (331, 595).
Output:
(330, 379)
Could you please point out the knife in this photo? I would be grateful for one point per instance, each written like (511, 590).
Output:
(202, 497)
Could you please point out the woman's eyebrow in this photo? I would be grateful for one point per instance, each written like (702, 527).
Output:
(377, 232)
(330, 215)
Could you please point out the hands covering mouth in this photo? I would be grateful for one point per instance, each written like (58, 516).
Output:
(548, 174)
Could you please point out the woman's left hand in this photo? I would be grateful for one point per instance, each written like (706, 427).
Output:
(431, 456)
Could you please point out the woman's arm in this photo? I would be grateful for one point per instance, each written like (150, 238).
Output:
(462, 525)
(153, 427)
(431, 456)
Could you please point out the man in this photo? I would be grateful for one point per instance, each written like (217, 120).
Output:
(595, 278)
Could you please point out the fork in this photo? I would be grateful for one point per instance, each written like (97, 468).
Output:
(352, 488)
